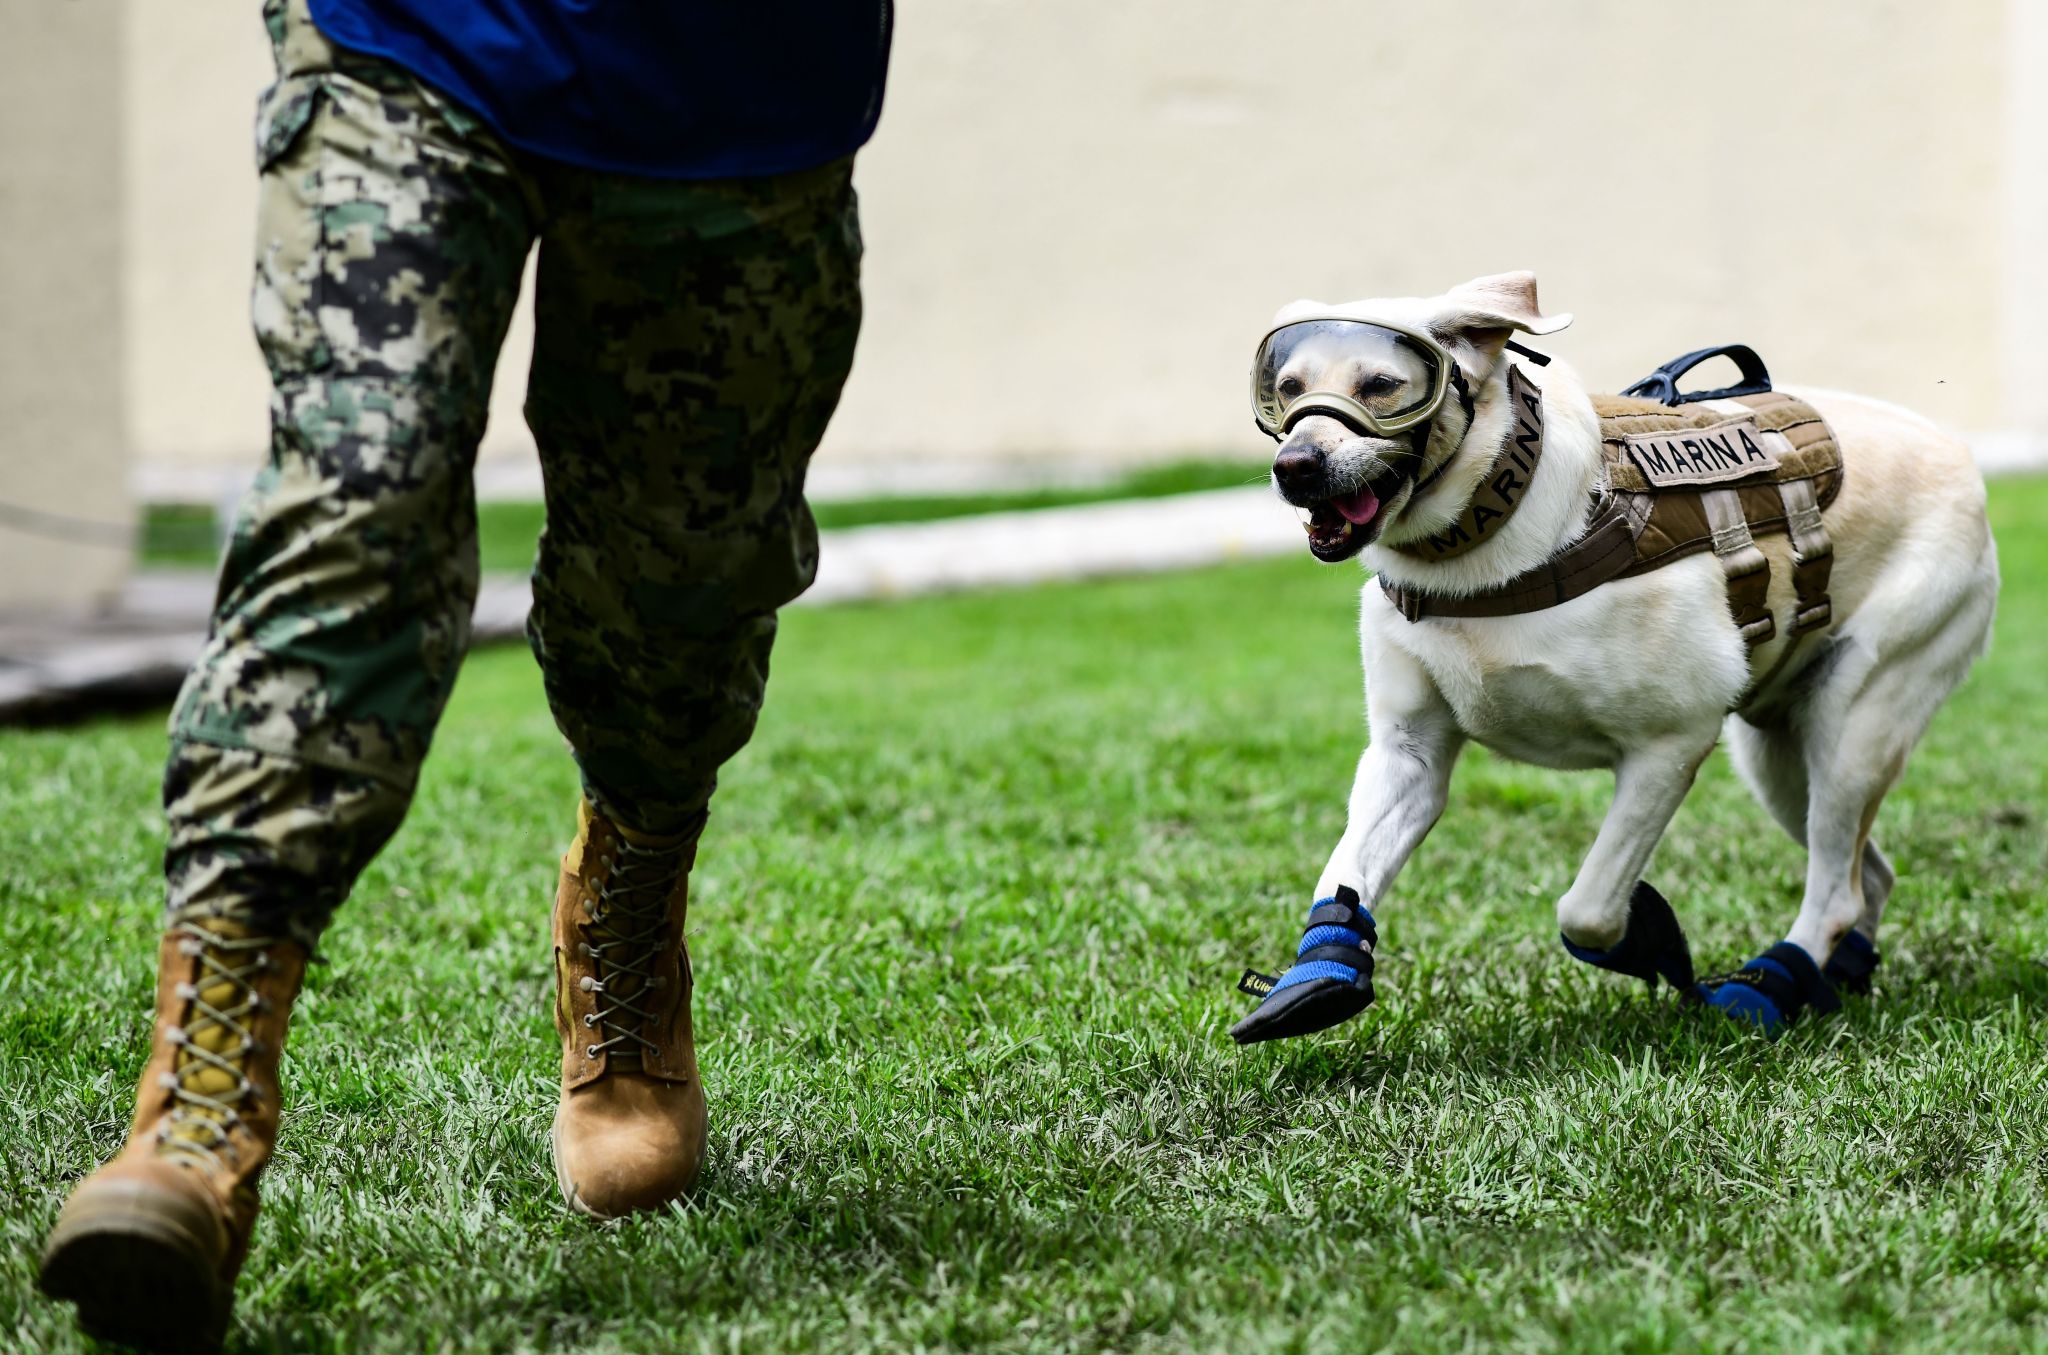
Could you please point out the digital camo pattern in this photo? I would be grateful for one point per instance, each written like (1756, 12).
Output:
(272, 840)
(690, 350)
(693, 338)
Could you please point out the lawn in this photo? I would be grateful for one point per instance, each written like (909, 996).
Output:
(176, 534)
(966, 928)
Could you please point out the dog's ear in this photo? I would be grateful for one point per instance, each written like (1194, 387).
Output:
(1478, 316)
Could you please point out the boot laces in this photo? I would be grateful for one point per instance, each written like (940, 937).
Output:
(209, 1081)
(628, 921)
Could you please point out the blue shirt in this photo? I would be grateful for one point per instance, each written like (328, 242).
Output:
(677, 89)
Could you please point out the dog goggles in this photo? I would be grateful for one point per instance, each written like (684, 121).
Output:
(1373, 376)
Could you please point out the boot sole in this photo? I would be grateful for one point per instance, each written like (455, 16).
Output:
(135, 1279)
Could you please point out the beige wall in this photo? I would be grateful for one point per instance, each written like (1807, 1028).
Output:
(199, 388)
(62, 452)
(1080, 214)
(2023, 337)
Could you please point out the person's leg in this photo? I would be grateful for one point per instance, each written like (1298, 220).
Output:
(693, 339)
(390, 239)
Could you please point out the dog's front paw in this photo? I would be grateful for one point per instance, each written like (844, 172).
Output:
(1653, 947)
(1330, 980)
(1773, 990)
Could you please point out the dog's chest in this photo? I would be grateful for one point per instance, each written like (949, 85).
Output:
(1575, 686)
(1536, 713)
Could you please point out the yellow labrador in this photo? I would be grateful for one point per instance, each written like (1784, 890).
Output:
(1639, 675)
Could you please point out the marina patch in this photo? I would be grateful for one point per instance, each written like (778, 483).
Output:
(1715, 455)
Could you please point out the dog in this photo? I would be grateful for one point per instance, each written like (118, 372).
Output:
(1641, 675)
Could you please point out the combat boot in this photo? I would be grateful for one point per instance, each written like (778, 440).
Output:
(149, 1245)
(629, 1130)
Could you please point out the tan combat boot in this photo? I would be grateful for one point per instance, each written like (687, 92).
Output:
(149, 1245)
(629, 1131)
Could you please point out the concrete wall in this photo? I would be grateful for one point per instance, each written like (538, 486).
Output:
(200, 392)
(2023, 336)
(1082, 214)
(63, 453)
(1079, 215)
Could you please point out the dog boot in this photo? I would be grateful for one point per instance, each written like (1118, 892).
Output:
(1653, 946)
(1852, 965)
(149, 1245)
(1331, 980)
(1773, 989)
(629, 1129)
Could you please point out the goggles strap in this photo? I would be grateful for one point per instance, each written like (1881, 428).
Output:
(1466, 403)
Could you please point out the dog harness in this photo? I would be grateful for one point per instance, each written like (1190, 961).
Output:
(1685, 473)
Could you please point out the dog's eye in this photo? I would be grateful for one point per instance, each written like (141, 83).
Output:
(1378, 384)
(1290, 387)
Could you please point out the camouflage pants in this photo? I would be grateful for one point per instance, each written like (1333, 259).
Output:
(692, 338)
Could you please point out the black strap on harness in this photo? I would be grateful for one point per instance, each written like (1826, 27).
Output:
(1662, 384)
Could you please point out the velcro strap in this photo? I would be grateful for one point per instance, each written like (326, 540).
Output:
(1353, 957)
(1773, 985)
(1334, 914)
(1805, 989)
(1814, 990)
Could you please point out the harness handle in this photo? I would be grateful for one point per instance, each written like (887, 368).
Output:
(1662, 384)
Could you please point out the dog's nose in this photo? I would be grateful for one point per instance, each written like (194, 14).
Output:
(1298, 468)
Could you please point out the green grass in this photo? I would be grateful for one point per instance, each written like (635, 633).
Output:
(183, 534)
(178, 534)
(966, 926)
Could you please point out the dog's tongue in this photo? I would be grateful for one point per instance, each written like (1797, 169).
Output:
(1358, 508)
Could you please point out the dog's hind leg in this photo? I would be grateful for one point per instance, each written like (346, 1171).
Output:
(1857, 728)
(1772, 760)
(1771, 755)
(1878, 878)
(1854, 728)
(1853, 756)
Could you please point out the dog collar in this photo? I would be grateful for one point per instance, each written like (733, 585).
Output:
(1502, 488)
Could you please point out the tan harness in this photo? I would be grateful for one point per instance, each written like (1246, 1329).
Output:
(1681, 479)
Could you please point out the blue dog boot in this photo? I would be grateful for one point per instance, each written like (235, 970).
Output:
(1850, 968)
(1773, 989)
(1330, 981)
(1652, 947)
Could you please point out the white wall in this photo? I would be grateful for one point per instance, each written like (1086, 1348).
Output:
(1082, 214)
(199, 390)
(63, 456)
(1079, 215)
